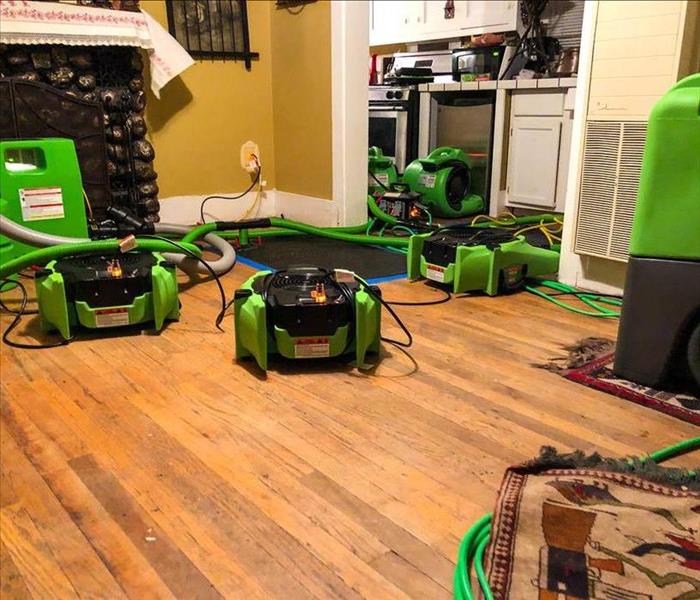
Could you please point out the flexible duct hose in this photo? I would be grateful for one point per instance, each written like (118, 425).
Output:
(188, 264)
(32, 237)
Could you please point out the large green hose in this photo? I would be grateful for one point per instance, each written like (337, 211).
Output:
(594, 301)
(471, 550)
(42, 256)
(334, 233)
(395, 242)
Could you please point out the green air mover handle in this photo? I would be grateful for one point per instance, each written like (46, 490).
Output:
(445, 152)
(375, 152)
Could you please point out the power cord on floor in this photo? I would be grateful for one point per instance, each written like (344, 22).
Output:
(217, 279)
(237, 197)
(377, 296)
(592, 300)
(471, 550)
(18, 314)
(446, 298)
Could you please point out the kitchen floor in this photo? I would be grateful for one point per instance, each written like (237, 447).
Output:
(153, 466)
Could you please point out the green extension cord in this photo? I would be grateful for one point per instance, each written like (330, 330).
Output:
(594, 301)
(471, 550)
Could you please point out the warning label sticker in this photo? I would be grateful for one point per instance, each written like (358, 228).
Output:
(382, 178)
(39, 204)
(435, 273)
(111, 317)
(427, 180)
(312, 348)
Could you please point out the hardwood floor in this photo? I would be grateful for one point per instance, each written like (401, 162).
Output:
(153, 466)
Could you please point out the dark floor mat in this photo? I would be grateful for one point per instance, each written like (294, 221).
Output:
(368, 262)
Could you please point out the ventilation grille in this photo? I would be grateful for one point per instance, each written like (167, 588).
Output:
(612, 162)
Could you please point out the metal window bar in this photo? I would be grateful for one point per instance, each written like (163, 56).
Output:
(193, 23)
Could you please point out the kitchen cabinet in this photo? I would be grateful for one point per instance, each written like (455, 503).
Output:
(533, 160)
(407, 21)
(538, 149)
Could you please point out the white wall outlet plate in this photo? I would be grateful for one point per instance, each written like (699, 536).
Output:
(250, 157)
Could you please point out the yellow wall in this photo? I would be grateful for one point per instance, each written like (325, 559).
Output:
(301, 89)
(202, 118)
(283, 103)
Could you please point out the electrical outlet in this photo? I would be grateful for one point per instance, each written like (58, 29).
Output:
(250, 157)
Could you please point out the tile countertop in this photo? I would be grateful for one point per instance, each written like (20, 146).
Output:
(563, 82)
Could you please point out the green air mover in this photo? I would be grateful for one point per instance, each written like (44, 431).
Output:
(444, 181)
(474, 258)
(306, 312)
(40, 188)
(659, 337)
(381, 171)
(98, 291)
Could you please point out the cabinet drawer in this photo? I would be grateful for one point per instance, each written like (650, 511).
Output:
(537, 103)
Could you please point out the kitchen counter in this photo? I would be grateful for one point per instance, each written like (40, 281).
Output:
(512, 84)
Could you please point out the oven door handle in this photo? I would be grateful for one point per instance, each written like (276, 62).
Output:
(391, 109)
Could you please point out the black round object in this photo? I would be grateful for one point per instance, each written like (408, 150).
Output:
(694, 353)
(301, 281)
(457, 185)
(398, 95)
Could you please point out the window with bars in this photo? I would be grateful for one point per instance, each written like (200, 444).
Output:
(213, 29)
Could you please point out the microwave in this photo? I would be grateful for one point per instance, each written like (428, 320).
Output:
(477, 64)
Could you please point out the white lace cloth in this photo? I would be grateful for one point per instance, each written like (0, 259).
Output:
(26, 22)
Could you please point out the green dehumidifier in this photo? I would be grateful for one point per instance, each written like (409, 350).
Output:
(381, 170)
(40, 188)
(659, 337)
(443, 179)
(489, 259)
(306, 312)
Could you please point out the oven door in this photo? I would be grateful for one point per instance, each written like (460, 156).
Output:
(388, 131)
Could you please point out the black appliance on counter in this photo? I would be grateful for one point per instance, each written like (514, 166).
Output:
(393, 122)
(479, 63)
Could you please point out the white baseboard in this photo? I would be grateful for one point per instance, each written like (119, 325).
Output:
(184, 210)
(307, 209)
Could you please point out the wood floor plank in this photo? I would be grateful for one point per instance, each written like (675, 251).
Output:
(69, 548)
(12, 584)
(122, 559)
(39, 569)
(314, 481)
(172, 566)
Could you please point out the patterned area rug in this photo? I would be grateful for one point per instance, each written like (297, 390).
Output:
(590, 362)
(595, 533)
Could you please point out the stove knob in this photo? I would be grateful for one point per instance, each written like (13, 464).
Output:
(398, 95)
(390, 95)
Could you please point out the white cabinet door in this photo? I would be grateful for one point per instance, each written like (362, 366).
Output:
(491, 15)
(385, 22)
(436, 23)
(395, 21)
(533, 161)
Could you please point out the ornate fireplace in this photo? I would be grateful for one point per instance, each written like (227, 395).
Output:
(91, 93)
